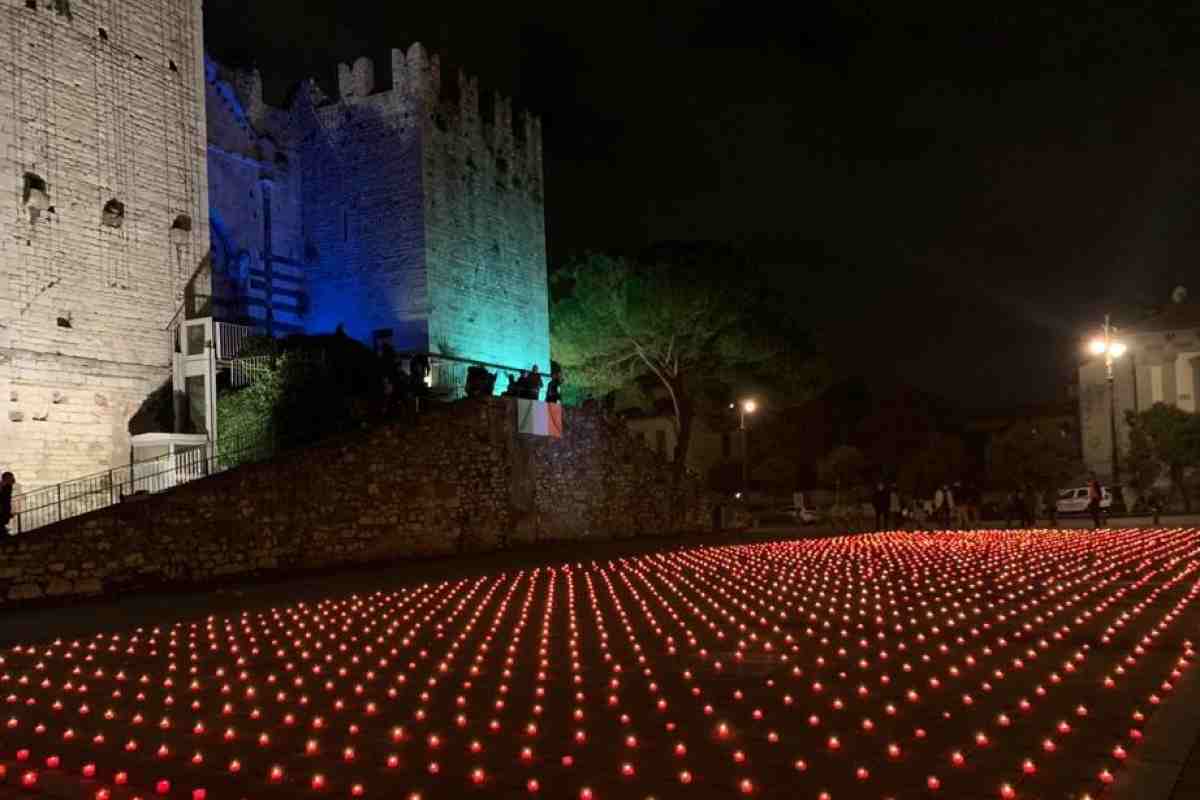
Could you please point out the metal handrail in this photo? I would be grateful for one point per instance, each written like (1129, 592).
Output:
(452, 381)
(57, 502)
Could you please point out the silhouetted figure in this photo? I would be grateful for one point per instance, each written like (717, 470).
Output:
(1095, 499)
(943, 506)
(513, 387)
(533, 384)
(7, 481)
(880, 501)
(554, 388)
(1016, 508)
(1029, 518)
(480, 382)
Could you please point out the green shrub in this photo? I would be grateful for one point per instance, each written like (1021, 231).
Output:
(308, 387)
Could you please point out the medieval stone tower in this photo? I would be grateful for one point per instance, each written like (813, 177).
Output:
(103, 220)
(412, 213)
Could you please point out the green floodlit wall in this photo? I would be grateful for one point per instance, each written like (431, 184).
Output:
(485, 237)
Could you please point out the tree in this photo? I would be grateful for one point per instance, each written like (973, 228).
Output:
(1141, 463)
(688, 317)
(941, 461)
(843, 467)
(1037, 457)
(1174, 438)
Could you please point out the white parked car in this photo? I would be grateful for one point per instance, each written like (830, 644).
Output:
(1075, 501)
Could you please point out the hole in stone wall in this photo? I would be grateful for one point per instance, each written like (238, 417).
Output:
(171, 66)
(114, 214)
(31, 4)
(65, 322)
(63, 8)
(103, 34)
(181, 229)
(34, 195)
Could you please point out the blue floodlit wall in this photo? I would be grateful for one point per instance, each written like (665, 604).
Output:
(406, 210)
(255, 204)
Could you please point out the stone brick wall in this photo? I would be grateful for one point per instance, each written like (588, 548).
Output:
(104, 102)
(420, 213)
(362, 208)
(460, 480)
(254, 194)
(485, 229)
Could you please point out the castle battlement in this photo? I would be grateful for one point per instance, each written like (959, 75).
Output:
(452, 100)
(413, 210)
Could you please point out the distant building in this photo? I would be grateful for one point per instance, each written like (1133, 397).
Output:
(713, 454)
(1160, 365)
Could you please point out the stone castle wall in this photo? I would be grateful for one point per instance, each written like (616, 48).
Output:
(99, 101)
(485, 228)
(362, 209)
(460, 480)
(419, 212)
(257, 227)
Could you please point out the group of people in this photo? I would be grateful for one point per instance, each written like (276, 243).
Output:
(958, 507)
(950, 507)
(528, 385)
(400, 386)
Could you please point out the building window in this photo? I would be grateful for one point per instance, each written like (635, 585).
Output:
(660, 442)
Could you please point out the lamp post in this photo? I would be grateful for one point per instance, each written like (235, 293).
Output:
(744, 407)
(1108, 346)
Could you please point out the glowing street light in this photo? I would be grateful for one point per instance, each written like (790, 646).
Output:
(747, 406)
(1111, 348)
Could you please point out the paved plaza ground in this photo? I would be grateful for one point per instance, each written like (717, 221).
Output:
(1030, 664)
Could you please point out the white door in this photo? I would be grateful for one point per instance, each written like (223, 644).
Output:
(199, 375)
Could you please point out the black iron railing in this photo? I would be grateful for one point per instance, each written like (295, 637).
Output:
(51, 504)
(447, 378)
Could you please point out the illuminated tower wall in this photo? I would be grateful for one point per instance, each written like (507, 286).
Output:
(408, 212)
(103, 220)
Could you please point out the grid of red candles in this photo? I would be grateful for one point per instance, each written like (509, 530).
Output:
(987, 664)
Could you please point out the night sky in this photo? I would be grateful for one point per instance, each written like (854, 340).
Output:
(952, 193)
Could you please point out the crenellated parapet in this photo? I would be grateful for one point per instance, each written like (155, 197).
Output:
(451, 102)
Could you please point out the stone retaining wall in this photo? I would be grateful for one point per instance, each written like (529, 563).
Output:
(459, 479)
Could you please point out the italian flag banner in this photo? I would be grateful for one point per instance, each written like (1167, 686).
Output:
(539, 419)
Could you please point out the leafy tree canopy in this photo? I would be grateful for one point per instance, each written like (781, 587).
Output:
(693, 317)
(843, 468)
(942, 460)
(1173, 437)
(1028, 456)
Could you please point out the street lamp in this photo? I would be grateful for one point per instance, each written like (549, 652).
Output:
(1108, 346)
(744, 407)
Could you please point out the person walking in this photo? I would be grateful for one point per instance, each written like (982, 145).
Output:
(880, 501)
(970, 500)
(943, 506)
(1030, 515)
(7, 481)
(895, 516)
(1016, 508)
(1095, 499)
